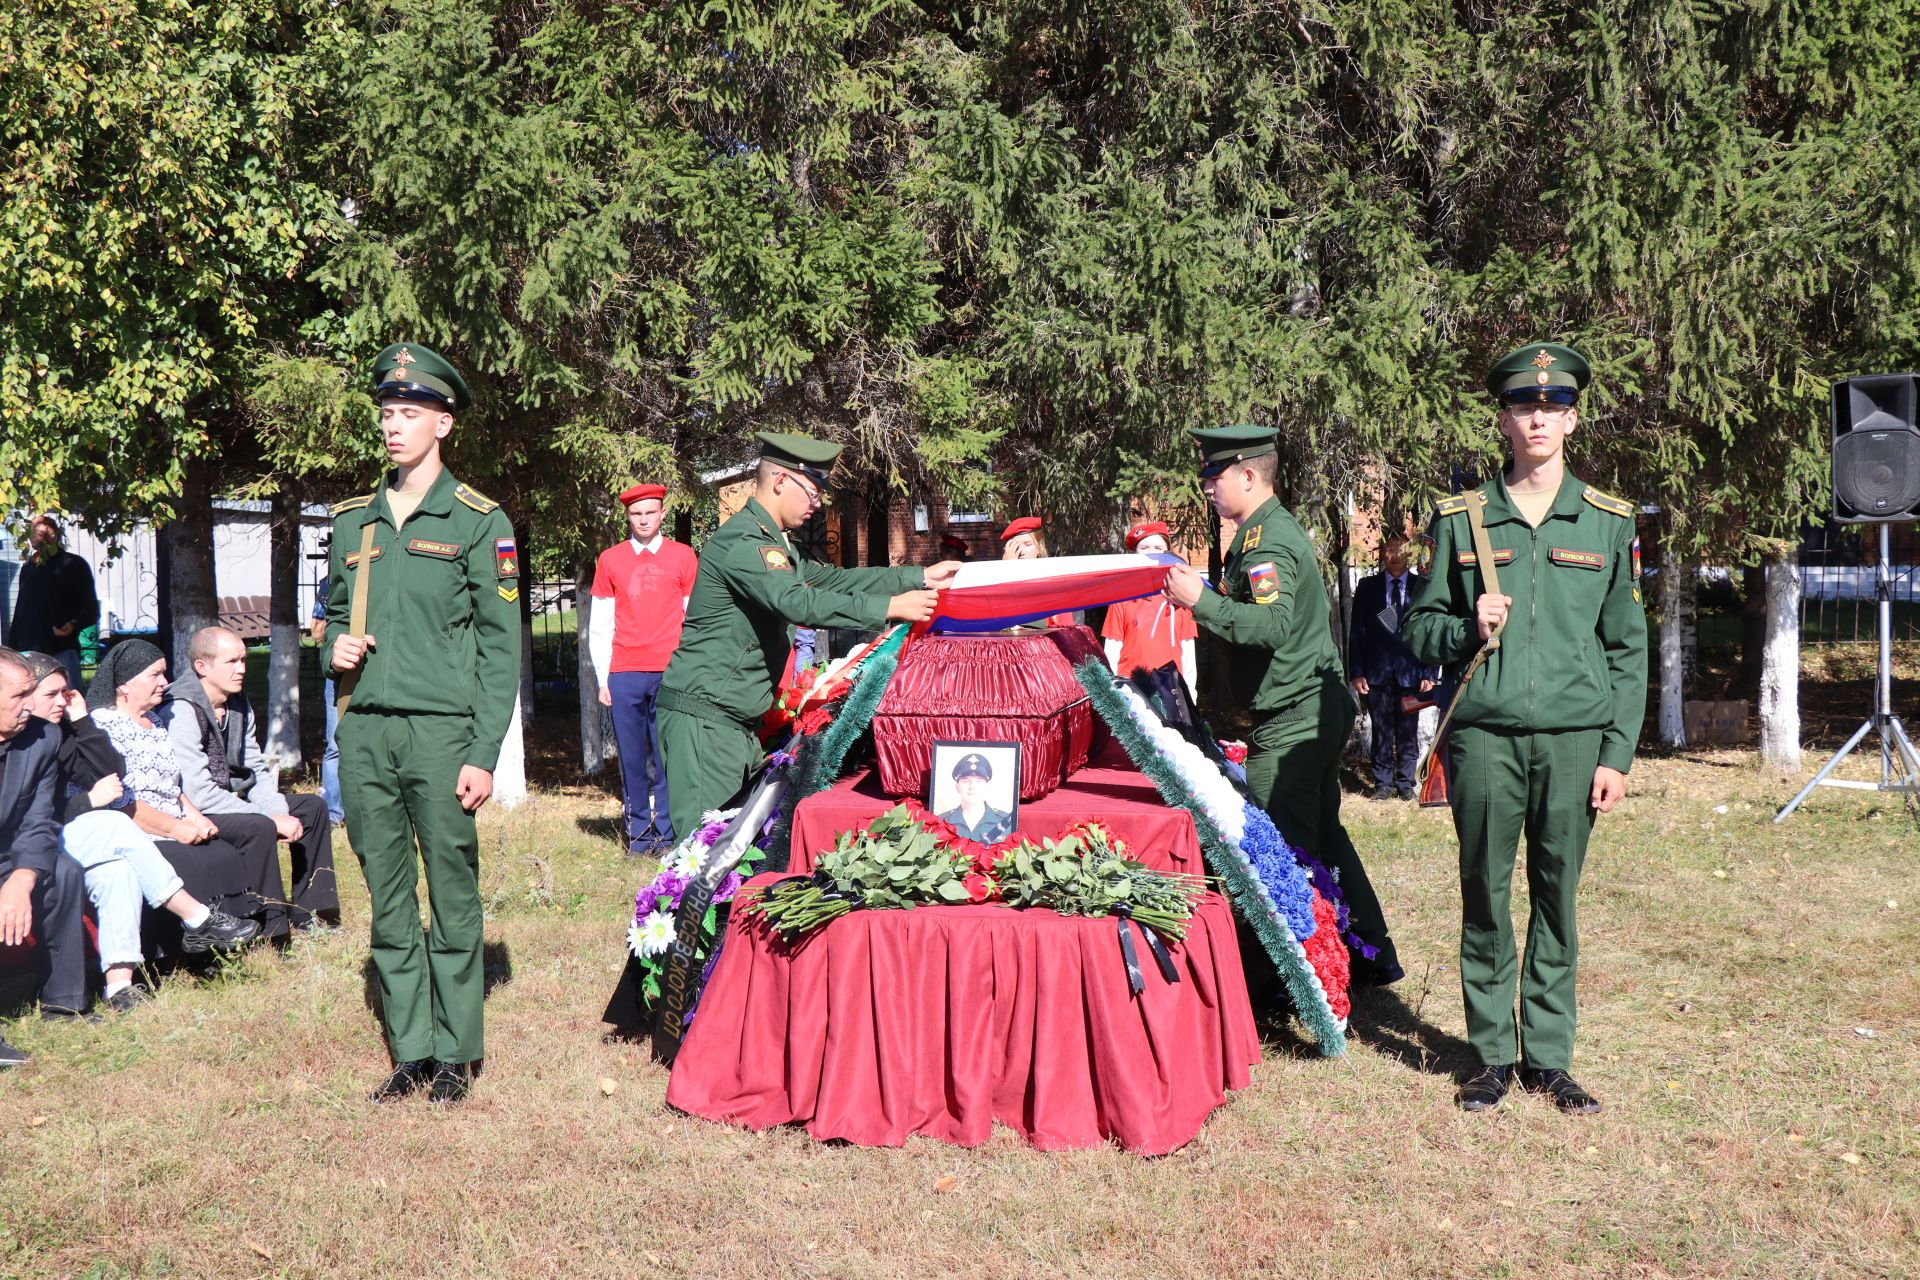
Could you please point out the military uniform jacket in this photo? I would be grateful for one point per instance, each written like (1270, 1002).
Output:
(443, 608)
(751, 590)
(1574, 651)
(1272, 610)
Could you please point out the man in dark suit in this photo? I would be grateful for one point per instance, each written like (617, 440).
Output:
(1384, 673)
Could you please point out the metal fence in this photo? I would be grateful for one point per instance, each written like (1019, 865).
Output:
(556, 635)
(1839, 604)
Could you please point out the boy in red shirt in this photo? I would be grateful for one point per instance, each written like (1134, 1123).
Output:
(646, 579)
(1150, 634)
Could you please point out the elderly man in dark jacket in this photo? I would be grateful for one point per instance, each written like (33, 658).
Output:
(41, 891)
(231, 780)
(1384, 673)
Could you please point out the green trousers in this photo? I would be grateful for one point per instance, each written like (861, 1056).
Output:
(1504, 786)
(708, 765)
(1293, 773)
(397, 779)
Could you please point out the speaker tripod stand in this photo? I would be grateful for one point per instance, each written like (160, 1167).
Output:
(1899, 762)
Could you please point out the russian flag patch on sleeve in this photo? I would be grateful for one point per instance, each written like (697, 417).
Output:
(506, 558)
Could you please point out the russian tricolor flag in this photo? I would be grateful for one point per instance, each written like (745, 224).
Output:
(993, 595)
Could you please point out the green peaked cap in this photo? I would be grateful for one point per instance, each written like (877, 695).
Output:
(409, 371)
(1539, 373)
(1221, 447)
(813, 458)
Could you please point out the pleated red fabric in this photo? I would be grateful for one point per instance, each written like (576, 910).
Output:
(1016, 688)
(941, 1020)
(1110, 791)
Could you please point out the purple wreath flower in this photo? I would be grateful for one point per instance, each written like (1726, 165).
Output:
(728, 887)
(710, 833)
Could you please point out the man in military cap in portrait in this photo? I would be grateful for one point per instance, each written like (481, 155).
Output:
(423, 636)
(752, 588)
(1544, 730)
(973, 818)
(1272, 610)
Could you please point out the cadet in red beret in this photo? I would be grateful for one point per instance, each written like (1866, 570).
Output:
(1153, 635)
(640, 590)
(1021, 540)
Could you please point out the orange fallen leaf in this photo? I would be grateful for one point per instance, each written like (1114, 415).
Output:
(260, 1249)
(945, 1185)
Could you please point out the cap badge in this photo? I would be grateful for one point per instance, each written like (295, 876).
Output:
(1542, 360)
(403, 357)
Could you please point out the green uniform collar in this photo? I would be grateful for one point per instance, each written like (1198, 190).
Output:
(1260, 513)
(436, 501)
(768, 525)
(1565, 503)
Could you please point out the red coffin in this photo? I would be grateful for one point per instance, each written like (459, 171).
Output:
(1005, 687)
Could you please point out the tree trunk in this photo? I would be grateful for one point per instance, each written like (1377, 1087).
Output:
(192, 600)
(1676, 606)
(877, 533)
(510, 772)
(1780, 674)
(596, 721)
(285, 632)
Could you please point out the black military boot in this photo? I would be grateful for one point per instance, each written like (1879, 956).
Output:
(407, 1077)
(1485, 1087)
(1562, 1088)
(451, 1082)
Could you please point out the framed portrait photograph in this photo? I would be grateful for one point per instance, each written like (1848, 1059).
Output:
(975, 786)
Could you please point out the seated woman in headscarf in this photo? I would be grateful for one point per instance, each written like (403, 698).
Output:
(1021, 541)
(236, 872)
(123, 865)
(1153, 635)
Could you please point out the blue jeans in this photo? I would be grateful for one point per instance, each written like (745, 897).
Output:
(642, 767)
(122, 867)
(330, 761)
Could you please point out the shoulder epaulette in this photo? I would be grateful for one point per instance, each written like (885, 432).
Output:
(1454, 504)
(351, 504)
(1610, 504)
(478, 501)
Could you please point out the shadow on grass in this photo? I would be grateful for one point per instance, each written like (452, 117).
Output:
(602, 828)
(496, 965)
(1384, 1022)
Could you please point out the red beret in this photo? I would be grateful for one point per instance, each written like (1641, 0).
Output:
(1025, 524)
(639, 491)
(953, 540)
(1140, 529)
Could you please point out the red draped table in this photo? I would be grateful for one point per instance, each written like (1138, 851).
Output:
(1109, 789)
(941, 1020)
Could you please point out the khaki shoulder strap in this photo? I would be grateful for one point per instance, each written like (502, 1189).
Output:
(1490, 585)
(357, 616)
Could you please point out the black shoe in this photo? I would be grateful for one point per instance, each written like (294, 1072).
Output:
(451, 1082)
(316, 927)
(11, 1056)
(1485, 1087)
(1406, 793)
(60, 1013)
(1561, 1087)
(407, 1077)
(1382, 793)
(124, 1000)
(219, 932)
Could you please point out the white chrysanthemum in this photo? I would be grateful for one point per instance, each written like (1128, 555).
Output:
(651, 936)
(685, 859)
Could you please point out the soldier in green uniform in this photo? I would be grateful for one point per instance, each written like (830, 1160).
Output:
(428, 685)
(1283, 666)
(1544, 734)
(752, 588)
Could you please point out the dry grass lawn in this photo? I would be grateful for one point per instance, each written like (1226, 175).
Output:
(1750, 1015)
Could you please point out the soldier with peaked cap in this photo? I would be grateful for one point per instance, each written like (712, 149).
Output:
(640, 592)
(1272, 610)
(1544, 733)
(427, 688)
(973, 818)
(753, 587)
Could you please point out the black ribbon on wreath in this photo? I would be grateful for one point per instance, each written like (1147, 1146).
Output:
(1136, 981)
